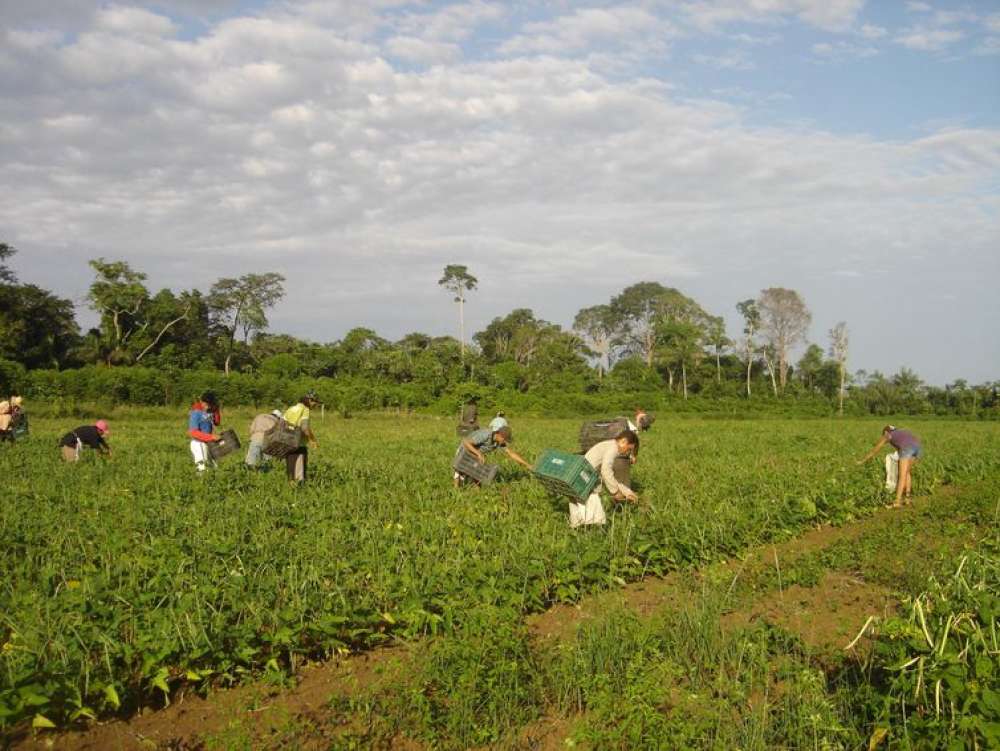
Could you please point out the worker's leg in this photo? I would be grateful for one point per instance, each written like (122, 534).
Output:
(903, 479)
(199, 450)
(70, 454)
(254, 454)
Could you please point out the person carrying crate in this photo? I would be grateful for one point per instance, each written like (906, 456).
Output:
(484, 441)
(602, 457)
(13, 422)
(204, 416)
(261, 425)
(297, 416)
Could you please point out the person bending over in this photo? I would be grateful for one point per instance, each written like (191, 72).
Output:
(910, 450)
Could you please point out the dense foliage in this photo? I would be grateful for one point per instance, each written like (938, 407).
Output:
(648, 344)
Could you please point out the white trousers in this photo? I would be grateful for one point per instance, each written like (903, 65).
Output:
(202, 460)
(591, 512)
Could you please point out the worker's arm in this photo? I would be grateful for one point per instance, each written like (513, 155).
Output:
(310, 436)
(470, 447)
(518, 458)
(881, 442)
(611, 482)
(199, 436)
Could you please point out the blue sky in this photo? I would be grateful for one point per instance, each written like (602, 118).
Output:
(562, 150)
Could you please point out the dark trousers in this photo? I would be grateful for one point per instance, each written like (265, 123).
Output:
(296, 463)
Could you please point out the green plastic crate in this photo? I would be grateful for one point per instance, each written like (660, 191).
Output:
(566, 474)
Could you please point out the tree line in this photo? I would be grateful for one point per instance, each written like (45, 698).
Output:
(649, 342)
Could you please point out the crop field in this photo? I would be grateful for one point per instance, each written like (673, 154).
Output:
(126, 582)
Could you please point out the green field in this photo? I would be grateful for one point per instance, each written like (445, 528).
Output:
(122, 581)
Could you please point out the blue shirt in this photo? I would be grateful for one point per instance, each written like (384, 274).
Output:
(201, 420)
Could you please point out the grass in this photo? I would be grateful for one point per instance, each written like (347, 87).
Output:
(122, 581)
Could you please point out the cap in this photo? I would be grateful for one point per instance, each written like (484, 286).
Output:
(16, 401)
(276, 413)
(102, 425)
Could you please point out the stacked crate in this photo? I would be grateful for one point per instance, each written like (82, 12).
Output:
(592, 433)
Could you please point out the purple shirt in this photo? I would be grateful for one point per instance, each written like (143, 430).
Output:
(903, 439)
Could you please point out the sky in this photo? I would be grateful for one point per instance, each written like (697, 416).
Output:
(849, 150)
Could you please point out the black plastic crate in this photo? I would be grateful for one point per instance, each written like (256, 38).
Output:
(228, 443)
(282, 440)
(467, 465)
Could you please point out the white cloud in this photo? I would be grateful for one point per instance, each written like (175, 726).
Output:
(421, 51)
(840, 50)
(988, 46)
(294, 139)
(918, 7)
(733, 60)
(825, 14)
(133, 21)
(584, 28)
(452, 22)
(928, 40)
(870, 31)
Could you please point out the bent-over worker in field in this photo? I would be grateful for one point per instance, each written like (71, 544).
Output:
(296, 462)
(11, 414)
(602, 457)
(484, 441)
(499, 421)
(204, 416)
(259, 428)
(910, 450)
(91, 436)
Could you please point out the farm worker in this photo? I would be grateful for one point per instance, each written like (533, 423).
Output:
(642, 419)
(498, 422)
(298, 417)
(484, 441)
(85, 435)
(908, 446)
(469, 421)
(10, 415)
(259, 428)
(602, 456)
(204, 416)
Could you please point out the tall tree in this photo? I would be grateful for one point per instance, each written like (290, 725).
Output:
(637, 308)
(809, 366)
(600, 330)
(839, 346)
(715, 335)
(785, 321)
(118, 294)
(240, 306)
(510, 337)
(37, 329)
(7, 275)
(457, 280)
(751, 325)
(680, 328)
